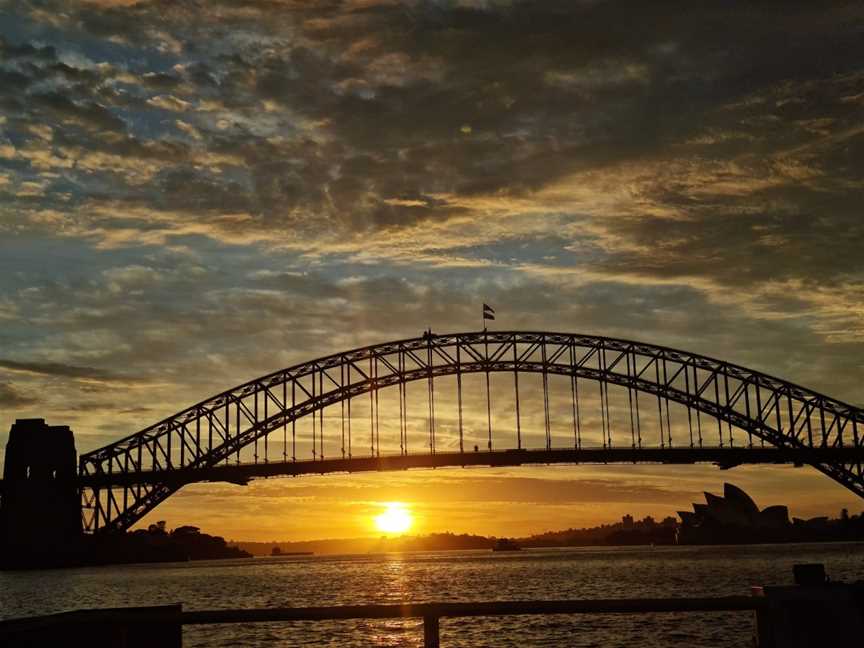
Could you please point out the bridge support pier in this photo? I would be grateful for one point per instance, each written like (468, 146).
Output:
(40, 505)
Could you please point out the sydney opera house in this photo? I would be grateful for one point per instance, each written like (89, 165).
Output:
(732, 518)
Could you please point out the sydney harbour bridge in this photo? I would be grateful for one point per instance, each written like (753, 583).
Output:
(502, 398)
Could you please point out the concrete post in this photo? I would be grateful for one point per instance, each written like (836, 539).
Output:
(810, 615)
(431, 632)
(143, 627)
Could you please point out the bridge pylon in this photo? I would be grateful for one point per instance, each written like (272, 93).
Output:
(40, 509)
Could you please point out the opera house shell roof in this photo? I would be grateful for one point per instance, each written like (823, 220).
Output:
(734, 509)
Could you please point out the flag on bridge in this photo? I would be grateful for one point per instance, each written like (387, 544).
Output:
(488, 312)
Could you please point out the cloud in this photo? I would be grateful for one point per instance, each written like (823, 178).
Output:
(169, 102)
(89, 115)
(503, 489)
(336, 153)
(11, 397)
(59, 370)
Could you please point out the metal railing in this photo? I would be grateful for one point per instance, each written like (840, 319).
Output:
(432, 613)
(132, 627)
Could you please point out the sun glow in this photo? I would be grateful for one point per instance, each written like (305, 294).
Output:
(396, 518)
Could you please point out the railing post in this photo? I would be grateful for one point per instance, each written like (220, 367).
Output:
(431, 632)
(813, 612)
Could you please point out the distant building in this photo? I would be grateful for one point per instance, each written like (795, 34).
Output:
(732, 518)
(813, 524)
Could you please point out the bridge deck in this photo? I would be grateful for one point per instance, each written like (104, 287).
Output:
(242, 473)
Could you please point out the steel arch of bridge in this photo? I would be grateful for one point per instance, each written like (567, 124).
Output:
(123, 481)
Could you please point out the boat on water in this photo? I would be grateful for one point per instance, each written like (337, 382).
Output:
(506, 544)
(276, 551)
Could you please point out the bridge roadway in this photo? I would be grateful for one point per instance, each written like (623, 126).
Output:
(241, 473)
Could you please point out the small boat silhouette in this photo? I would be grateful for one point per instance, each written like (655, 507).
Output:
(506, 544)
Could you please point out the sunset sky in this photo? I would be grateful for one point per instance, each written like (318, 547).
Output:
(196, 193)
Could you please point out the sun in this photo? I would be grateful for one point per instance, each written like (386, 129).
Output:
(396, 518)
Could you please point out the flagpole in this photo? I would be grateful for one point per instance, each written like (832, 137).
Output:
(488, 313)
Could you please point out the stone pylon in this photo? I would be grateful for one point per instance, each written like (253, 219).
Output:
(40, 509)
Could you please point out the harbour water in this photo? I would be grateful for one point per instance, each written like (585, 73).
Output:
(631, 572)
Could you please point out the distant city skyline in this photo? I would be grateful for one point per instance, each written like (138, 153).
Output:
(190, 198)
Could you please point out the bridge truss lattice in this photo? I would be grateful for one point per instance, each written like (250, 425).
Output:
(123, 481)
